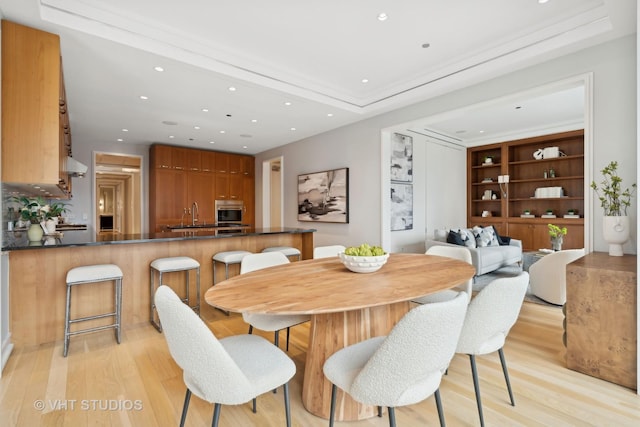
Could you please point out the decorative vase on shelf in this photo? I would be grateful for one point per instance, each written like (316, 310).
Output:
(615, 231)
(35, 233)
(556, 243)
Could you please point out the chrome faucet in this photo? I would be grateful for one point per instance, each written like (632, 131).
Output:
(184, 212)
(194, 213)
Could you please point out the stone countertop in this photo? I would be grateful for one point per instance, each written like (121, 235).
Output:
(13, 240)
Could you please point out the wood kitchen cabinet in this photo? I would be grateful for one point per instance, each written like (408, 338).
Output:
(201, 176)
(35, 127)
(161, 156)
(201, 189)
(222, 186)
(168, 198)
(208, 161)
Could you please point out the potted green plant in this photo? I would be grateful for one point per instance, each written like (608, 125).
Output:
(32, 210)
(614, 200)
(556, 234)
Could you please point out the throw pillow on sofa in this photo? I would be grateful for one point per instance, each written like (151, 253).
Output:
(468, 239)
(485, 236)
(455, 238)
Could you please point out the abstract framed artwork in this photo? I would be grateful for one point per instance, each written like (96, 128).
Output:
(324, 196)
(401, 158)
(401, 206)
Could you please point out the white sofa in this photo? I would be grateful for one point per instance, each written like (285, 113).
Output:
(485, 259)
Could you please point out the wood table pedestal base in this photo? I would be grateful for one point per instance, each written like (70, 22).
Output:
(331, 332)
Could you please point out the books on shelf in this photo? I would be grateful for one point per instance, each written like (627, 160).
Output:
(548, 216)
(571, 216)
(527, 216)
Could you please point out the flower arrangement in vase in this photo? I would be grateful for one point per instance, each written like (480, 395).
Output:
(38, 212)
(556, 234)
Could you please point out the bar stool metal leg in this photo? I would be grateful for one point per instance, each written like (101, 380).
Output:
(67, 325)
(152, 305)
(118, 303)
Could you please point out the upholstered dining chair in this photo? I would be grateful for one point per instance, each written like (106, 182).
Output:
(460, 253)
(229, 371)
(549, 275)
(269, 322)
(327, 251)
(404, 367)
(490, 316)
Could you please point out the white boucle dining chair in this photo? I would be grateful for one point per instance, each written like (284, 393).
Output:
(269, 322)
(229, 371)
(404, 367)
(460, 253)
(327, 251)
(491, 314)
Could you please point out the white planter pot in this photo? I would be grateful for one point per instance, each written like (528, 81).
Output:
(615, 231)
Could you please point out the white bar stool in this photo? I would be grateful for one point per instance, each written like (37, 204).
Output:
(227, 258)
(287, 250)
(93, 274)
(169, 265)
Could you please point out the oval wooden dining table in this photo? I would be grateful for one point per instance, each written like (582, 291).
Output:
(345, 308)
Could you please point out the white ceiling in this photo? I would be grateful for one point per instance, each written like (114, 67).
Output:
(313, 55)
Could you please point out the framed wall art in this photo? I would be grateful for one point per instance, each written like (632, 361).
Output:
(401, 158)
(401, 206)
(324, 196)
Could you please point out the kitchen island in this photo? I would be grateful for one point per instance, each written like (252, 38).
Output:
(37, 274)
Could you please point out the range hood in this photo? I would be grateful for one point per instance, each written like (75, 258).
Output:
(75, 168)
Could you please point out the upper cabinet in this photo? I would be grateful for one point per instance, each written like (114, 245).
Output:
(36, 137)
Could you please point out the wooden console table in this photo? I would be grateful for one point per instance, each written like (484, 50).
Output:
(601, 317)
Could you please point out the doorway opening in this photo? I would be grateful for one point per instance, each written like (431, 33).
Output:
(118, 191)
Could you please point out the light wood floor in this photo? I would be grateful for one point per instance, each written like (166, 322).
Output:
(137, 383)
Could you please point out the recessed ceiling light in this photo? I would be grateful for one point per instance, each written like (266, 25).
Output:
(212, 142)
(144, 97)
(232, 89)
(245, 147)
(125, 130)
(171, 136)
(196, 127)
(382, 17)
(293, 128)
(287, 103)
(222, 131)
(329, 114)
(119, 139)
(365, 80)
(254, 120)
(205, 110)
(158, 69)
(481, 131)
(542, 1)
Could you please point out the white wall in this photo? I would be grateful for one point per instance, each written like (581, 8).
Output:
(359, 146)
